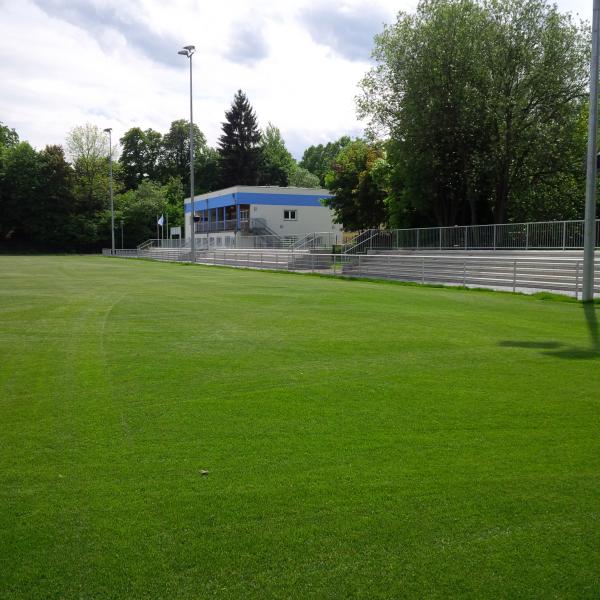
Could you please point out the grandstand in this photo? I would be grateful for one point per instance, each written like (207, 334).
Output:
(524, 257)
(258, 216)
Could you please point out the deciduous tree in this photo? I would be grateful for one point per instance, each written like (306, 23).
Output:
(479, 100)
(87, 147)
(358, 201)
(206, 174)
(141, 156)
(19, 188)
(301, 177)
(8, 136)
(318, 159)
(277, 163)
(176, 150)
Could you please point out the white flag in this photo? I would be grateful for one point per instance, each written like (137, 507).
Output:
(161, 220)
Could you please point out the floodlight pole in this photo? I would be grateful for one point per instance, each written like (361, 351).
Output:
(189, 51)
(589, 239)
(110, 184)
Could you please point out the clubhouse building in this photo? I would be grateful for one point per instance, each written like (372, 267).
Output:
(230, 217)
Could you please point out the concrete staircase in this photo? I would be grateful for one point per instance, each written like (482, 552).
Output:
(528, 270)
(279, 259)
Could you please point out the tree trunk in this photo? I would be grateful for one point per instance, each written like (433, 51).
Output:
(501, 200)
(473, 209)
(503, 182)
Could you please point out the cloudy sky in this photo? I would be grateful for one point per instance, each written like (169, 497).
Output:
(115, 63)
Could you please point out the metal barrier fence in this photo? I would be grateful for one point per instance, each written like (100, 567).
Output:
(505, 272)
(164, 243)
(310, 241)
(317, 240)
(227, 225)
(547, 235)
(266, 241)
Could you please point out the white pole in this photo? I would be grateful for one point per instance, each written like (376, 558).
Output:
(110, 183)
(193, 241)
(590, 192)
(188, 51)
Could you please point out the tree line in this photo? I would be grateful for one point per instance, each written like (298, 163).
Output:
(58, 198)
(480, 112)
(476, 113)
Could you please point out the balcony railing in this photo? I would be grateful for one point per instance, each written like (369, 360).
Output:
(228, 225)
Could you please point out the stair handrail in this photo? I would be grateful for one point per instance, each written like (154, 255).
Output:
(311, 240)
(354, 245)
(299, 244)
(146, 244)
(262, 223)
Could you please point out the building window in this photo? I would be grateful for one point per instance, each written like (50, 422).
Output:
(290, 215)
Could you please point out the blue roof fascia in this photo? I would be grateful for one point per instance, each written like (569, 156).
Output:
(281, 199)
(258, 198)
(216, 202)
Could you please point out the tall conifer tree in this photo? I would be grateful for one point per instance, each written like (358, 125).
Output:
(239, 148)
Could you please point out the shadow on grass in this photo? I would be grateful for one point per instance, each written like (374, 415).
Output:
(561, 350)
(592, 322)
(534, 345)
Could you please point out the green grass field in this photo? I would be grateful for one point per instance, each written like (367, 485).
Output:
(363, 440)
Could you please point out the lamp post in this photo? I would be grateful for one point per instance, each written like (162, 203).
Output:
(110, 183)
(188, 51)
(589, 239)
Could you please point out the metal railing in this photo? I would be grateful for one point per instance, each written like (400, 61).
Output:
(265, 241)
(550, 235)
(259, 226)
(517, 272)
(371, 239)
(316, 240)
(163, 243)
(246, 225)
(543, 235)
(504, 272)
(213, 226)
(239, 241)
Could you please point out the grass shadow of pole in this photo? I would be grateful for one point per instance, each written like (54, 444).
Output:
(592, 323)
(560, 350)
(593, 351)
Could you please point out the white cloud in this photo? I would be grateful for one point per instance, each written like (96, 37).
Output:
(114, 63)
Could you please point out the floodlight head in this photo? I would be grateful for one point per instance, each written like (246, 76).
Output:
(187, 51)
(108, 130)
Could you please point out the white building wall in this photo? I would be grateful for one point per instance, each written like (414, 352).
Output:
(219, 240)
(308, 219)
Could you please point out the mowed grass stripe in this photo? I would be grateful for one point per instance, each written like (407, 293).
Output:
(363, 439)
